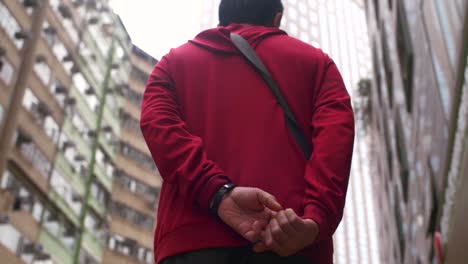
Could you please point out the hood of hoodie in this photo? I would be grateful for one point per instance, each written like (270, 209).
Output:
(219, 40)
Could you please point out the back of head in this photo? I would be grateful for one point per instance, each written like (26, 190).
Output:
(253, 12)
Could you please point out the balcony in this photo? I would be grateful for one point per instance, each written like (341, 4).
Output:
(144, 175)
(10, 257)
(18, 11)
(142, 65)
(60, 72)
(132, 200)
(132, 109)
(64, 207)
(8, 44)
(107, 146)
(25, 223)
(83, 147)
(29, 124)
(65, 168)
(123, 228)
(136, 141)
(58, 251)
(33, 174)
(97, 206)
(112, 257)
(93, 245)
(102, 176)
(88, 115)
(57, 23)
(44, 94)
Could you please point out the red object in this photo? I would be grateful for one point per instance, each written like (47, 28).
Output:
(438, 247)
(209, 118)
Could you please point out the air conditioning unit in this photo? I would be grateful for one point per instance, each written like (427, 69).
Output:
(29, 3)
(65, 10)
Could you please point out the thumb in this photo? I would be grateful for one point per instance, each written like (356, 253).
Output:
(268, 201)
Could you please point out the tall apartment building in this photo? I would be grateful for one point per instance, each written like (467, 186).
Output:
(79, 186)
(136, 185)
(339, 28)
(418, 109)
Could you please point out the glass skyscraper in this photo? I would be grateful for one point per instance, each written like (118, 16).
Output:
(339, 28)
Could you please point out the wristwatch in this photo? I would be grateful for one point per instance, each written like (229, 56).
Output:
(218, 197)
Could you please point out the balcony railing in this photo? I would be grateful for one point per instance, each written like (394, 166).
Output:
(105, 180)
(58, 251)
(93, 245)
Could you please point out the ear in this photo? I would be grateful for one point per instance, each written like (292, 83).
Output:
(277, 20)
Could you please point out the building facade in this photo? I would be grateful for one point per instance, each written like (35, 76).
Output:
(79, 186)
(417, 112)
(339, 28)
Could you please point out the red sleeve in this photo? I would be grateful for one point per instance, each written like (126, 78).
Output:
(179, 155)
(327, 171)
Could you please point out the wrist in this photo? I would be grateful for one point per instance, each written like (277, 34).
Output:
(219, 197)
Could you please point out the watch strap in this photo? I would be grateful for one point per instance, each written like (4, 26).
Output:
(218, 197)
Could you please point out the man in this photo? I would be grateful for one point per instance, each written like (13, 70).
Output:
(221, 142)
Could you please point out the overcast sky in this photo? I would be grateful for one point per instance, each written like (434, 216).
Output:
(158, 25)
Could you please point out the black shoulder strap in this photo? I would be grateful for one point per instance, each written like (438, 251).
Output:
(252, 56)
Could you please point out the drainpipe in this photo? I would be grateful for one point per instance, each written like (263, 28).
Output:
(90, 175)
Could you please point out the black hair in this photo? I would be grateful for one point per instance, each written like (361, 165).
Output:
(254, 12)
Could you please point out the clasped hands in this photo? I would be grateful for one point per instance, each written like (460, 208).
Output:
(259, 218)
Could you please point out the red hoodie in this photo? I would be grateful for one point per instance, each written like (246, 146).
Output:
(209, 118)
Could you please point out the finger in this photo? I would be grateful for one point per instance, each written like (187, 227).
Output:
(296, 222)
(267, 238)
(268, 200)
(258, 226)
(285, 225)
(253, 234)
(279, 236)
(259, 247)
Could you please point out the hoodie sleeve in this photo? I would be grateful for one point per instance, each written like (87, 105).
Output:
(327, 171)
(179, 155)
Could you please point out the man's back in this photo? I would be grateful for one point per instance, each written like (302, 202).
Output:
(232, 126)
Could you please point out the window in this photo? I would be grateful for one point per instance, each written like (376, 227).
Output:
(10, 25)
(9, 236)
(63, 188)
(82, 127)
(49, 33)
(7, 71)
(130, 123)
(98, 192)
(131, 215)
(134, 96)
(32, 153)
(92, 62)
(405, 54)
(86, 258)
(139, 75)
(92, 222)
(59, 91)
(138, 156)
(122, 245)
(149, 193)
(43, 71)
(51, 128)
(85, 90)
